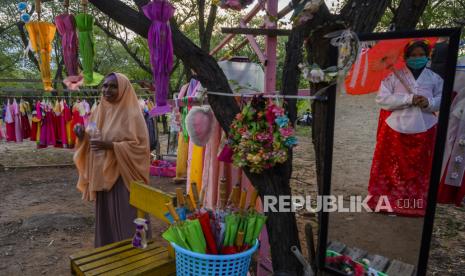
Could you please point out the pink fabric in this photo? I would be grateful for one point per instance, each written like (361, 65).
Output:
(63, 134)
(39, 110)
(10, 123)
(17, 119)
(74, 82)
(211, 175)
(10, 132)
(25, 126)
(47, 131)
(66, 26)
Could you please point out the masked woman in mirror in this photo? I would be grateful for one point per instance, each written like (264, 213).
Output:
(402, 161)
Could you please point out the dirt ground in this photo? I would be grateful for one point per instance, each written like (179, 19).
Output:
(43, 220)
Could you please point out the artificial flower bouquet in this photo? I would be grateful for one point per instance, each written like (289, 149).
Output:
(261, 135)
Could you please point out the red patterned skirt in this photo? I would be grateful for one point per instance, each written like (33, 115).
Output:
(401, 168)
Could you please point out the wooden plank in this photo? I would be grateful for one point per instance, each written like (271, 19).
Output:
(114, 267)
(256, 31)
(253, 43)
(155, 268)
(336, 246)
(399, 268)
(91, 251)
(104, 254)
(141, 260)
(150, 200)
(246, 20)
(378, 262)
(154, 248)
(355, 253)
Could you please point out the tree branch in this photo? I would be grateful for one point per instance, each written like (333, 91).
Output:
(201, 10)
(123, 43)
(141, 3)
(209, 29)
(25, 40)
(2, 30)
(408, 14)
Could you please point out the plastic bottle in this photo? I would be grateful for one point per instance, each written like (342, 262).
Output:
(140, 238)
(95, 135)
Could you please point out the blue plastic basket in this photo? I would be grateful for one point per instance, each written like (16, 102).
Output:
(196, 264)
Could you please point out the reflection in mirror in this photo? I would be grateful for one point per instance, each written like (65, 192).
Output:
(384, 136)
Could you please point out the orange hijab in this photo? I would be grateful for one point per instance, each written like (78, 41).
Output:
(123, 124)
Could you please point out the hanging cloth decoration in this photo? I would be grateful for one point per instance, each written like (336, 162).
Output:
(85, 23)
(161, 51)
(66, 26)
(41, 35)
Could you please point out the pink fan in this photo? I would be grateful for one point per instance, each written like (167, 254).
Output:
(199, 124)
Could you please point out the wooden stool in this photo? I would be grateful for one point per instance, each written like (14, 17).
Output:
(121, 257)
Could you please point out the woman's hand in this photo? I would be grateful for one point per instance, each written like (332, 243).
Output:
(420, 101)
(79, 131)
(100, 145)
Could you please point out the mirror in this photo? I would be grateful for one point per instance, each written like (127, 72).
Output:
(390, 125)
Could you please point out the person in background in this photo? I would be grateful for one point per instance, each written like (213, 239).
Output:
(403, 154)
(107, 164)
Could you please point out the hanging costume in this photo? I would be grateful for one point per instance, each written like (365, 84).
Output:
(451, 187)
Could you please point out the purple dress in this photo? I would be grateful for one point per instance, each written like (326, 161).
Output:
(161, 50)
(66, 26)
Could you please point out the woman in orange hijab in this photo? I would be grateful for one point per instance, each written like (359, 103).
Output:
(108, 163)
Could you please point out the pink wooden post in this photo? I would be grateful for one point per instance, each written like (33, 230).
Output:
(264, 263)
(271, 44)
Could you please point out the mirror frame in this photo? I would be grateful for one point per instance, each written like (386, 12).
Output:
(428, 222)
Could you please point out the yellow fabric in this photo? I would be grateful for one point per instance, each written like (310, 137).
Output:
(181, 158)
(57, 108)
(196, 169)
(68, 133)
(123, 124)
(39, 126)
(41, 35)
(22, 108)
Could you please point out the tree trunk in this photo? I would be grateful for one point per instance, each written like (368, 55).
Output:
(408, 14)
(282, 227)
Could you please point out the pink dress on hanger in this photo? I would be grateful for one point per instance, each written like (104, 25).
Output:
(47, 135)
(10, 123)
(25, 125)
(17, 119)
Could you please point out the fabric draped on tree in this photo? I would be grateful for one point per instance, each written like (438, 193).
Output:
(161, 51)
(84, 23)
(41, 35)
(66, 27)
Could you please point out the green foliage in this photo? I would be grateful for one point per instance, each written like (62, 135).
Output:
(438, 14)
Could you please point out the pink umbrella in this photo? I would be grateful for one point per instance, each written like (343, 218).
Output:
(161, 51)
